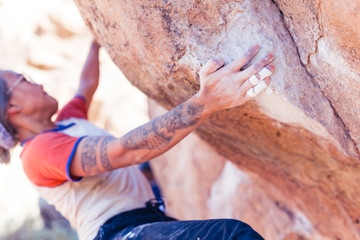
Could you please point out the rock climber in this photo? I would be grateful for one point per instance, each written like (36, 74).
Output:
(91, 177)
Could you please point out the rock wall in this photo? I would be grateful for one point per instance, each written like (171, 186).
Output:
(299, 146)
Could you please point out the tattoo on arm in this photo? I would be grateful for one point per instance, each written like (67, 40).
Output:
(160, 131)
(104, 154)
(89, 153)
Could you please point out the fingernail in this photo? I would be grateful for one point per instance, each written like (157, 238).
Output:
(270, 67)
(218, 62)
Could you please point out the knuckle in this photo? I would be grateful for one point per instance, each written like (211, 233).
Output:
(249, 53)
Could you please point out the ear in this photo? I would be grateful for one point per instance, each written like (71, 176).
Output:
(13, 109)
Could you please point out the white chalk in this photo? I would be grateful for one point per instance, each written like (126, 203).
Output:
(264, 73)
(269, 91)
(254, 80)
(252, 92)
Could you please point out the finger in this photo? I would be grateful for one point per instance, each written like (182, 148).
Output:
(255, 68)
(264, 73)
(95, 43)
(269, 91)
(211, 66)
(240, 62)
(257, 89)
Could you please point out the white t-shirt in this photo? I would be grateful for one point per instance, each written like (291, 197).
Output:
(90, 202)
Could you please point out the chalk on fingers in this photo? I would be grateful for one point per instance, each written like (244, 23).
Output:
(254, 80)
(264, 73)
(252, 92)
(269, 91)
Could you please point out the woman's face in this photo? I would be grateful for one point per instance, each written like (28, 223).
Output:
(29, 96)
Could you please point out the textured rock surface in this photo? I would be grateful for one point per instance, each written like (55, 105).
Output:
(327, 36)
(302, 141)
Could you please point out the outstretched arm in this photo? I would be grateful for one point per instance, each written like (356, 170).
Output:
(89, 78)
(221, 87)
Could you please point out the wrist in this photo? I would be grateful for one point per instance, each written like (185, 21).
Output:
(203, 100)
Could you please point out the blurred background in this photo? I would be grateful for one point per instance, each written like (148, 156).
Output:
(49, 41)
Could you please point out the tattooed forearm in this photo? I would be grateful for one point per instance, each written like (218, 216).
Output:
(160, 131)
(104, 154)
(88, 155)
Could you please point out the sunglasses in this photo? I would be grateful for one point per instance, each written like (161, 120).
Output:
(22, 77)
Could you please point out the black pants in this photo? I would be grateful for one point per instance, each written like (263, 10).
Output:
(150, 223)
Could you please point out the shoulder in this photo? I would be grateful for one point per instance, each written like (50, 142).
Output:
(45, 158)
(75, 108)
(42, 143)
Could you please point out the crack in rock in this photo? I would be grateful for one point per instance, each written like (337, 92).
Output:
(307, 65)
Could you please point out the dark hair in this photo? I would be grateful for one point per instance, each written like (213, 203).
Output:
(4, 98)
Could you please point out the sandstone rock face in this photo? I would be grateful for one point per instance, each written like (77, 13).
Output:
(300, 146)
(327, 36)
